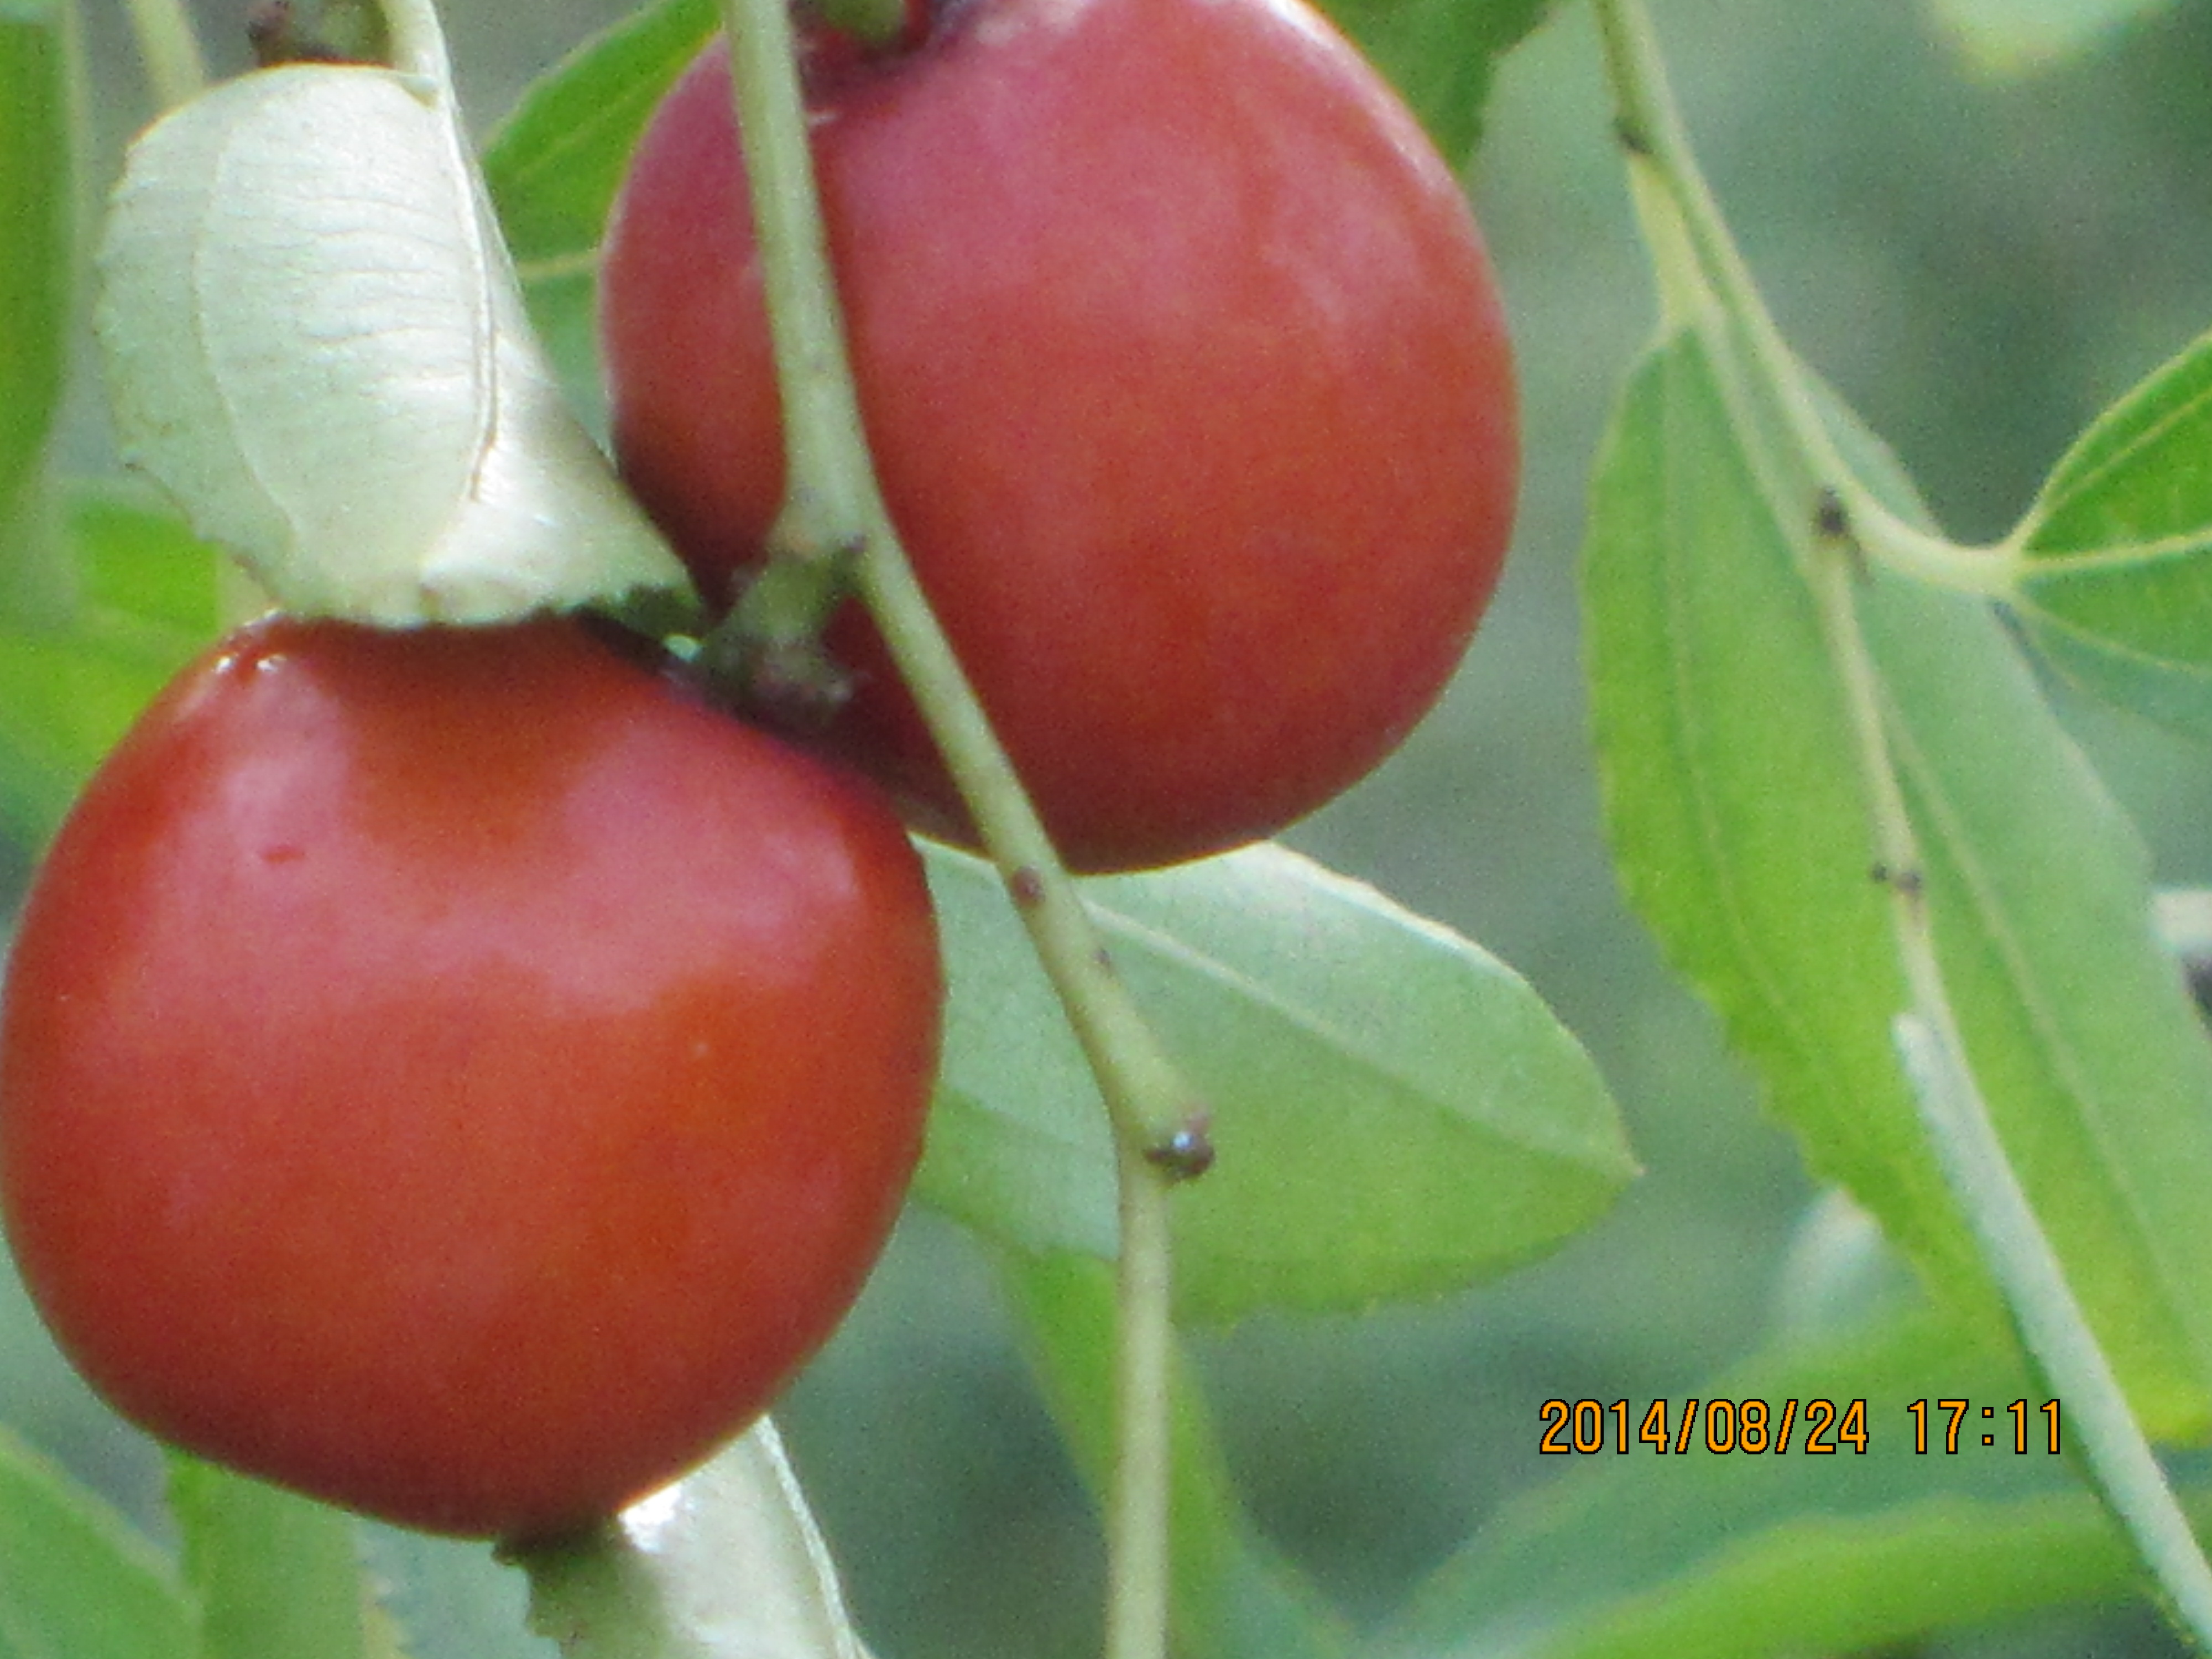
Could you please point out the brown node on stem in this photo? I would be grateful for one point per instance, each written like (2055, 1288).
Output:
(1903, 881)
(1832, 522)
(1630, 135)
(1188, 1152)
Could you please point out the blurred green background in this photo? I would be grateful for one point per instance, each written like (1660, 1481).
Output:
(1979, 264)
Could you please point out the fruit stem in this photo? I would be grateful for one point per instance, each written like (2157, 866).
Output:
(1138, 1501)
(1706, 286)
(831, 507)
(834, 527)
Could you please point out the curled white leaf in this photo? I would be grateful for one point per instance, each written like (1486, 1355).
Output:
(740, 1565)
(727, 1563)
(315, 342)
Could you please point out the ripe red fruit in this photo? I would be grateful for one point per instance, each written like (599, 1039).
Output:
(456, 1075)
(1185, 372)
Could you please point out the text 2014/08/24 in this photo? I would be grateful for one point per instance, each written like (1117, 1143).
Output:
(1812, 1427)
(1815, 1427)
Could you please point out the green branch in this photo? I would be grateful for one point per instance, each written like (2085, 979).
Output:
(1833, 519)
(1650, 128)
(834, 528)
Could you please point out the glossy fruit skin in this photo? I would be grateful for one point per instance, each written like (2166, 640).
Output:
(1187, 379)
(456, 1075)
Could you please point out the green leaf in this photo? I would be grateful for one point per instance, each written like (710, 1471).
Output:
(69, 689)
(554, 164)
(1738, 1556)
(275, 1574)
(2114, 581)
(2017, 37)
(1233, 1597)
(1736, 812)
(76, 1581)
(1397, 1114)
(1738, 826)
(1441, 55)
(36, 265)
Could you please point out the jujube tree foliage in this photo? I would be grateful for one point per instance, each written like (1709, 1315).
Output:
(805, 561)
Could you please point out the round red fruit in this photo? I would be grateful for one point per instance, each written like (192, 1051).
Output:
(1184, 370)
(456, 1075)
